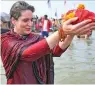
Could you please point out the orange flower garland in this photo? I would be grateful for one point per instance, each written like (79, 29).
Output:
(61, 34)
(81, 6)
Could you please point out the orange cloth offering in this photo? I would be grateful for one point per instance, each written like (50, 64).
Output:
(81, 13)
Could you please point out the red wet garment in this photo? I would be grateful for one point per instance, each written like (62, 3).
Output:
(38, 64)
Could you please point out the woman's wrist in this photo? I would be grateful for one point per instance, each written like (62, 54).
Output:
(62, 34)
(63, 45)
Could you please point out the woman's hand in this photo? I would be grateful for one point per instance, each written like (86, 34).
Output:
(79, 28)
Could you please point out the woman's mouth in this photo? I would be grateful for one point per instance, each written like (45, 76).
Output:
(28, 29)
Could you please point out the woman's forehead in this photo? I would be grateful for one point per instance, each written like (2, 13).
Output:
(27, 14)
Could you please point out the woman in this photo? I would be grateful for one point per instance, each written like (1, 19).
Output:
(28, 57)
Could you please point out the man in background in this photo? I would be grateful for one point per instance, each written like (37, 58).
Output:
(46, 25)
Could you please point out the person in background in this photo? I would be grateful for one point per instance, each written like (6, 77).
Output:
(46, 25)
(38, 26)
(86, 36)
(28, 57)
(5, 22)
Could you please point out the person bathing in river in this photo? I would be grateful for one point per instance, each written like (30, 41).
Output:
(28, 57)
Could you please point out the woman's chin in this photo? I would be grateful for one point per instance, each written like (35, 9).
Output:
(27, 32)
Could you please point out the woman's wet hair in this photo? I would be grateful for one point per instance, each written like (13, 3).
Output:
(18, 7)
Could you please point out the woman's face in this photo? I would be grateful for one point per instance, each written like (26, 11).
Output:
(24, 23)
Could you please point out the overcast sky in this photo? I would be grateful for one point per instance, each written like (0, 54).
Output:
(56, 5)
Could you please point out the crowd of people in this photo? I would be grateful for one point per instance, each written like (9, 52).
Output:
(27, 56)
(44, 25)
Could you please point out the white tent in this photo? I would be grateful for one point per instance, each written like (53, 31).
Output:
(4, 17)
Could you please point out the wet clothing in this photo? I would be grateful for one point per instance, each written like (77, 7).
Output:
(28, 59)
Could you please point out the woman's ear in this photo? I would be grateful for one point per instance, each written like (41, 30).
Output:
(13, 21)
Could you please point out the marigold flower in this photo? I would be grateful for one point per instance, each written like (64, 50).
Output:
(70, 15)
(81, 6)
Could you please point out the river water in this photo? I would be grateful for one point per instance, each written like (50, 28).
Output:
(76, 65)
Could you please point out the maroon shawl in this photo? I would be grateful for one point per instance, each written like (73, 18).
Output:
(13, 44)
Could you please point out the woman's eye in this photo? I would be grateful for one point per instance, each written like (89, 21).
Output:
(25, 20)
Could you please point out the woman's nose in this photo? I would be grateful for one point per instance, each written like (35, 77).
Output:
(30, 23)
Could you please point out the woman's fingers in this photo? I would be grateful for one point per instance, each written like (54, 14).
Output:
(84, 32)
(87, 30)
(71, 20)
(87, 27)
(92, 28)
(83, 23)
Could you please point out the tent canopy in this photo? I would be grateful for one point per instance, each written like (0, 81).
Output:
(4, 17)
